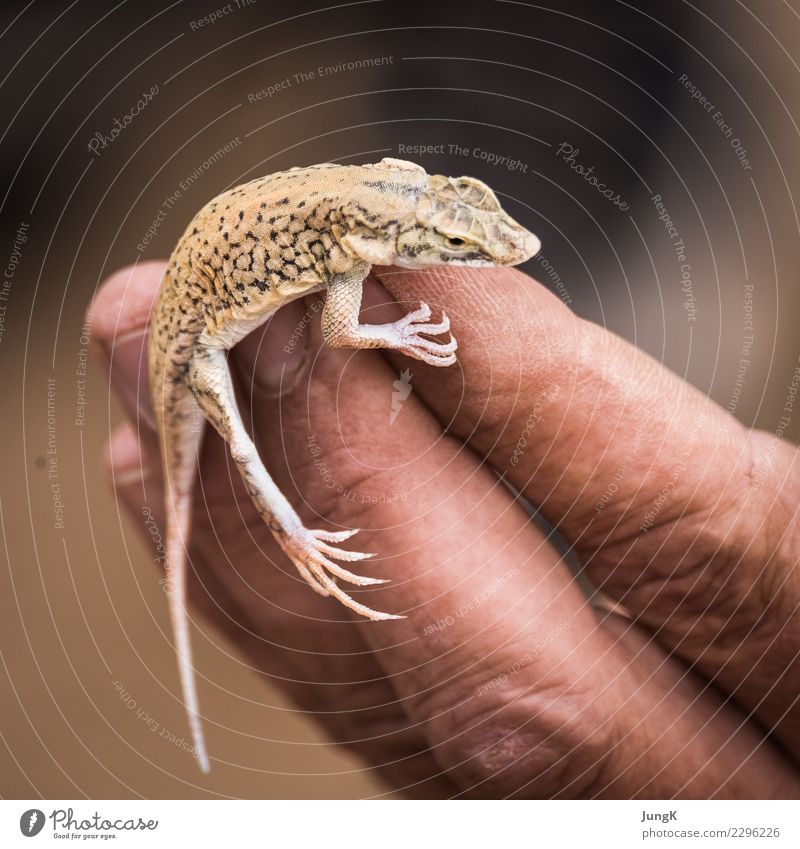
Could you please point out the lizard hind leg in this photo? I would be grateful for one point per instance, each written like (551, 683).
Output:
(309, 550)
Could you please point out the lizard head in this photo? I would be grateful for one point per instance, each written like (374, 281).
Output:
(459, 221)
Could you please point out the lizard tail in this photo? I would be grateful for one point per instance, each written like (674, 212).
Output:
(180, 429)
(180, 441)
(178, 508)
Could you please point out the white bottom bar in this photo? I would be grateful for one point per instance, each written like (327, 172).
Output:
(400, 825)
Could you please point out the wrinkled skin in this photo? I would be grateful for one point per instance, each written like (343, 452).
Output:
(531, 691)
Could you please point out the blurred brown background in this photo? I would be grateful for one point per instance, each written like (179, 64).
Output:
(82, 615)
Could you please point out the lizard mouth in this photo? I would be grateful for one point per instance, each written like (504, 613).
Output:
(471, 256)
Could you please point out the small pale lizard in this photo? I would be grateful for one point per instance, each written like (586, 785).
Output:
(264, 244)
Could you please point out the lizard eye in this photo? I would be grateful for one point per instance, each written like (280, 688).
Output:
(455, 242)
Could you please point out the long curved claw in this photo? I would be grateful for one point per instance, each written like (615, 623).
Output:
(307, 549)
(337, 592)
(442, 327)
(346, 575)
(341, 554)
(440, 356)
(333, 536)
(432, 347)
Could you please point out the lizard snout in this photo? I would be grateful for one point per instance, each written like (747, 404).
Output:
(532, 245)
(520, 248)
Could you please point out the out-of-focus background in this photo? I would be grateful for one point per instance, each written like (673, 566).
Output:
(120, 120)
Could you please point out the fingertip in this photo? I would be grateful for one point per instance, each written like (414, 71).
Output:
(124, 301)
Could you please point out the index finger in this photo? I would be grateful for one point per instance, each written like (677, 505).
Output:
(676, 508)
(501, 663)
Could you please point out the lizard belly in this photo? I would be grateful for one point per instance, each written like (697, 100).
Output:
(228, 333)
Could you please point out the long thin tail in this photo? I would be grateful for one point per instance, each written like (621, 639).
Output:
(178, 522)
(181, 428)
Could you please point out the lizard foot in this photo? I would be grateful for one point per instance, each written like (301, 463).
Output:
(408, 340)
(308, 549)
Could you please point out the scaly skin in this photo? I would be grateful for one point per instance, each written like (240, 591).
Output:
(257, 247)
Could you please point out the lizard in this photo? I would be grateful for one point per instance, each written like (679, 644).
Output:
(259, 246)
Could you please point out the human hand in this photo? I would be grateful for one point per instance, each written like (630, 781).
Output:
(503, 679)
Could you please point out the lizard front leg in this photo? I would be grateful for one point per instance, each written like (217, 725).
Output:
(309, 550)
(341, 329)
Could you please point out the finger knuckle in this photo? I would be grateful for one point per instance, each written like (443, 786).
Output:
(542, 742)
